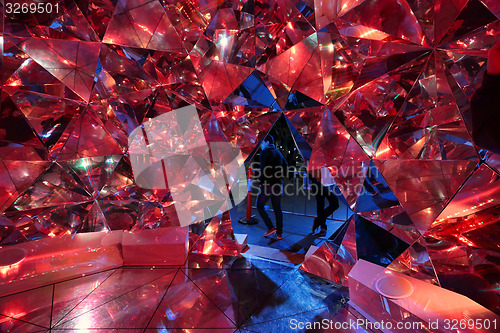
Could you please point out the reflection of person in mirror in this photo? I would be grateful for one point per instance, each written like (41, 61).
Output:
(272, 170)
(321, 193)
(485, 105)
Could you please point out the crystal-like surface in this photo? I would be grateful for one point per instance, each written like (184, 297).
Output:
(68, 295)
(248, 294)
(186, 306)
(131, 310)
(116, 291)
(31, 306)
(370, 85)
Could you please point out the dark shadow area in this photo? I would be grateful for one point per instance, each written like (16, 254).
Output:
(375, 244)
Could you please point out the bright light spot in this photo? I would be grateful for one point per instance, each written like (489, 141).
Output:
(224, 41)
(85, 163)
(85, 321)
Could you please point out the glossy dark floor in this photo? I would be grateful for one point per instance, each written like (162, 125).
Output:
(298, 214)
(238, 295)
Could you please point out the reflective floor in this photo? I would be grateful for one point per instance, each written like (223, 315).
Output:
(297, 235)
(240, 295)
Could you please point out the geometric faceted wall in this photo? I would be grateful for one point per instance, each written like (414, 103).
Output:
(379, 89)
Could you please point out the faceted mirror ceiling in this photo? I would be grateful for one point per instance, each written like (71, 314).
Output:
(374, 86)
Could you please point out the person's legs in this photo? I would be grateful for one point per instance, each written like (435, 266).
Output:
(333, 205)
(276, 202)
(261, 201)
(323, 213)
(320, 206)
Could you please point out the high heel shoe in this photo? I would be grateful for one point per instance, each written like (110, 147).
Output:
(322, 232)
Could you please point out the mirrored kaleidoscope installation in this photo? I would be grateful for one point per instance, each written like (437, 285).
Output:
(378, 85)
